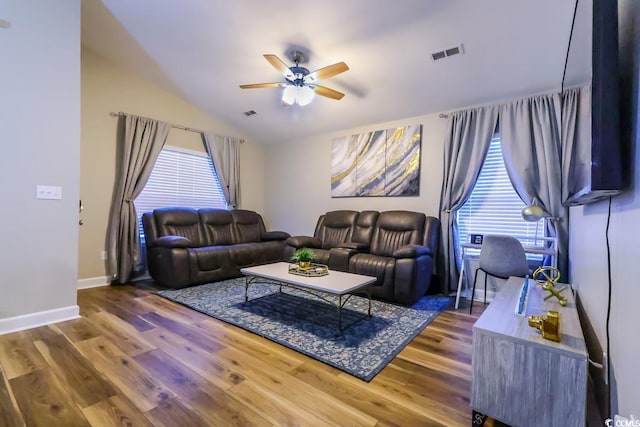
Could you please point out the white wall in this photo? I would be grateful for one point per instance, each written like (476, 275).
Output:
(40, 133)
(299, 178)
(587, 251)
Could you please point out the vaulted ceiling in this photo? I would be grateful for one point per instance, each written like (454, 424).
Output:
(202, 50)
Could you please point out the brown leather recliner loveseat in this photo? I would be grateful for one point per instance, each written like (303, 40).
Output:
(188, 247)
(397, 247)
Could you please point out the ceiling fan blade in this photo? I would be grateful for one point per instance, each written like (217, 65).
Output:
(325, 91)
(326, 72)
(279, 65)
(261, 85)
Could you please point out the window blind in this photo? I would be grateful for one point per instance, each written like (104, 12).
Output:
(494, 207)
(180, 178)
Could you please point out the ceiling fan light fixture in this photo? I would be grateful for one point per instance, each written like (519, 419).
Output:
(305, 95)
(301, 95)
(289, 94)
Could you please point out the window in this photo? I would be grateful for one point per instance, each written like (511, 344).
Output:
(180, 178)
(494, 207)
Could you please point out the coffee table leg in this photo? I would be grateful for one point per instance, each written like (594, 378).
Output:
(246, 288)
(369, 295)
(339, 314)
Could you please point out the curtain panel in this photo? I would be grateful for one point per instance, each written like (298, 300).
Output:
(530, 134)
(576, 126)
(140, 141)
(465, 149)
(225, 155)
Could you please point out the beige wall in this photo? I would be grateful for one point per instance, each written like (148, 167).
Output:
(587, 244)
(298, 175)
(108, 88)
(40, 134)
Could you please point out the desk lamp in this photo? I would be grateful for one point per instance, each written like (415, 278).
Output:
(534, 213)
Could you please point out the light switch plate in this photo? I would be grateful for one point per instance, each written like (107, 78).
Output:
(48, 192)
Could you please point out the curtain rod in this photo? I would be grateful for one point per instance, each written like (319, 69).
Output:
(120, 113)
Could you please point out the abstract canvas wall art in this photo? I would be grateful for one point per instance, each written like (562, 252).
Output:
(380, 163)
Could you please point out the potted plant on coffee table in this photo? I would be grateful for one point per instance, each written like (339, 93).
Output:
(303, 257)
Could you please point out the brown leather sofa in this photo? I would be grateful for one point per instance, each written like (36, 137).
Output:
(188, 247)
(397, 247)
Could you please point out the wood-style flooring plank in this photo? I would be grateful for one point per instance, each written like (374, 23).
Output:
(75, 372)
(188, 332)
(121, 333)
(115, 411)
(427, 406)
(305, 397)
(212, 403)
(9, 411)
(149, 361)
(172, 413)
(198, 360)
(43, 401)
(387, 412)
(128, 312)
(125, 373)
(18, 355)
(276, 355)
(79, 329)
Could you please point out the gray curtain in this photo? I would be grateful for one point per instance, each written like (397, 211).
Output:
(225, 154)
(465, 149)
(532, 150)
(576, 126)
(139, 145)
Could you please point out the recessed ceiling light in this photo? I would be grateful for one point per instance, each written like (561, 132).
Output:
(4, 24)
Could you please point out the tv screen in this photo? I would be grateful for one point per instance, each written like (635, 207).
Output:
(597, 163)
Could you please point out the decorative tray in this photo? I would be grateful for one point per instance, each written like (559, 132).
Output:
(316, 270)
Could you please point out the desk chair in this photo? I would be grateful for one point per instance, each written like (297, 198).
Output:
(502, 257)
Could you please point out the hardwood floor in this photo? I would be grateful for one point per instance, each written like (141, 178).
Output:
(135, 359)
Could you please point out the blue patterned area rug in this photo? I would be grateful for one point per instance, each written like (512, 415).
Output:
(300, 321)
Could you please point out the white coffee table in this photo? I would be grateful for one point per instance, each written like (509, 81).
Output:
(336, 283)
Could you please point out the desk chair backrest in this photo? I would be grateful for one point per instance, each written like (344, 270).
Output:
(503, 256)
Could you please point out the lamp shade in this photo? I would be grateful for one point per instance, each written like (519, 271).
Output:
(301, 95)
(289, 94)
(533, 213)
(305, 95)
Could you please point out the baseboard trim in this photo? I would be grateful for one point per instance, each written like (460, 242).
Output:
(93, 282)
(40, 318)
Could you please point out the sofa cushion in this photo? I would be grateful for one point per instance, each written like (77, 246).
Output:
(248, 226)
(395, 229)
(217, 225)
(209, 258)
(177, 221)
(364, 227)
(335, 228)
(246, 254)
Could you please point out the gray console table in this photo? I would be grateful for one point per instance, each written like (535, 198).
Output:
(520, 378)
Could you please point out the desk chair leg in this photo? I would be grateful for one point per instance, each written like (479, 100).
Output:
(485, 287)
(473, 292)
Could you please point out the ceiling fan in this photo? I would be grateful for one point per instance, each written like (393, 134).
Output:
(300, 86)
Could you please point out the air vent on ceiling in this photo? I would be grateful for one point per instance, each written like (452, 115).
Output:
(445, 53)
(249, 113)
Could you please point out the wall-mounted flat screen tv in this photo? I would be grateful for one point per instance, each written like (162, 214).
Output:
(597, 168)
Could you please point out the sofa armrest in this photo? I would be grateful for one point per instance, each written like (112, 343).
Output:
(339, 258)
(171, 242)
(304, 242)
(274, 235)
(412, 251)
(360, 247)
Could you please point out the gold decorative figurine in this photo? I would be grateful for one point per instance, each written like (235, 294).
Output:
(548, 324)
(550, 275)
